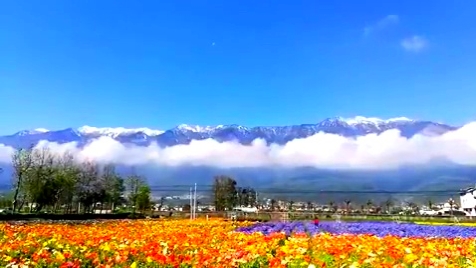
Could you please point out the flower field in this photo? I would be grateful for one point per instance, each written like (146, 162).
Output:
(185, 243)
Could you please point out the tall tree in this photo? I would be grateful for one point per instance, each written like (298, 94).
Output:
(246, 196)
(115, 185)
(347, 205)
(224, 193)
(251, 197)
(451, 202)
(144, 197)
(369, 204)
(430, 203)
(273, 204)
(22, 163)
(41, 184)
(89, 189)
(66, 175)
(240, 196)
(389, 204)
(133, 184)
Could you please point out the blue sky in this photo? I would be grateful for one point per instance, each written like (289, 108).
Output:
(162, 63)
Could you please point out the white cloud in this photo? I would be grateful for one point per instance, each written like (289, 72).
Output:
(414, 43)
(389, 20)
(387, 150)
(5, 153)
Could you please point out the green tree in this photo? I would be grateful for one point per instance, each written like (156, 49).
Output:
(309, 205)
(246, 196)
(224, 193)
(42, 178)
(67, 174)
(90, 187)
(291, 205)
(430, 203)
(389, 204)
(186, 208)
(413, 207)
(347, 205)
(273, 204)
(41, 184)
(451, 202)
(369, 204)
(133, 185)
(250, 194)
(115, 185)
(21, 163)
(144, 198)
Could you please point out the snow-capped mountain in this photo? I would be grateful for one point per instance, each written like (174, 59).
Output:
(183, 134)
(115, 132)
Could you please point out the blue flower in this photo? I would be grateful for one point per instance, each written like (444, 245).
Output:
(380, 229)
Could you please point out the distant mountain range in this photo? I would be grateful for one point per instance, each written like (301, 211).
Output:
(184, 134)
(292, 182)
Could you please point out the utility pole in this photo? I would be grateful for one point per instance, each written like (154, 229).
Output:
(191, 204)
(195, 203)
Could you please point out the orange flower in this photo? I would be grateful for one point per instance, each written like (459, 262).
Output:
(155, 243)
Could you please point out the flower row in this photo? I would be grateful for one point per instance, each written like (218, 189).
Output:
(380, 229)
(185, 243)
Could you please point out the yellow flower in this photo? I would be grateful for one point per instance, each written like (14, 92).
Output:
(134, 265)
(106, 247)
(59, 256)
(410, 258)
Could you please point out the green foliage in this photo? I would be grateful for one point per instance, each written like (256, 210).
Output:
(246, 196)
(6, 200)
(256, 263)
(144, 197)
(139, 193)
(115, 185)
(43, 180)
(224, 193)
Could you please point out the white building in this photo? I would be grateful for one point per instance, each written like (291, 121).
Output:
(468, 200)
(246, 209)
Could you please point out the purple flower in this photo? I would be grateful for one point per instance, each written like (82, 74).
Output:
(372, 228)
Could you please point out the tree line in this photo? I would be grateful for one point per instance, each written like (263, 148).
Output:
(44, 181)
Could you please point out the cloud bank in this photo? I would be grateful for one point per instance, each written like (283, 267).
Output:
(384, 151)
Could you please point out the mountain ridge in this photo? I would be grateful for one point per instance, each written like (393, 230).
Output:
(438, 176)
(184, 134)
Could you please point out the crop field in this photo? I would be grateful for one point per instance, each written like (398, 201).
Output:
(201, 243)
